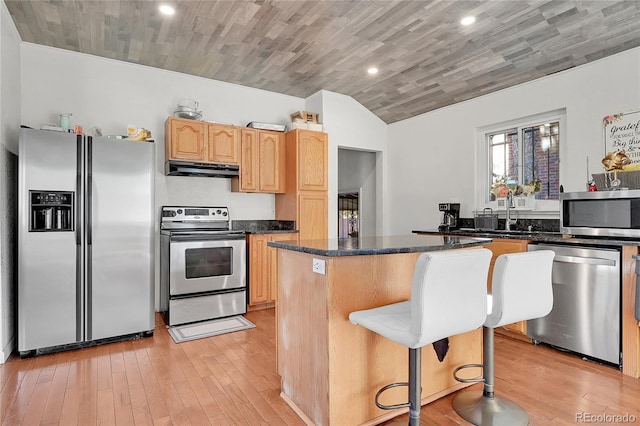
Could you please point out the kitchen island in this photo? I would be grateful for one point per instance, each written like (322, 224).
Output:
(332, 369)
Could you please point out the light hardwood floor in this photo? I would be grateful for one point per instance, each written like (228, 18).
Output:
(231, 380)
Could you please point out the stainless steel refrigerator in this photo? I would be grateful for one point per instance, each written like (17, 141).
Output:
(85, 240)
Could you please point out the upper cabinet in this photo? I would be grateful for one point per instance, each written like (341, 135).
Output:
(312, 160)
(271, 163)
(184, 139)
(249, 161)
(262, 162)
(198, 141)
(223, 144)
(305, 200)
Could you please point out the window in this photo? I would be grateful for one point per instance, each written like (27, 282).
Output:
(525, 160)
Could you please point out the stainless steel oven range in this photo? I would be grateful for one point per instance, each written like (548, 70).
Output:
(202, 265)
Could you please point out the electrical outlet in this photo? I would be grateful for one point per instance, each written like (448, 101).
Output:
(318, 266)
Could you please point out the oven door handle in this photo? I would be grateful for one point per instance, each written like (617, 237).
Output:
(179, 238)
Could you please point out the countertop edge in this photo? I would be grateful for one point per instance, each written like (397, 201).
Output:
(540, 237)
(467, 242)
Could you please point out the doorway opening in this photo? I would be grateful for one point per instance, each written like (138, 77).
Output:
(357, 195)
(348, 214)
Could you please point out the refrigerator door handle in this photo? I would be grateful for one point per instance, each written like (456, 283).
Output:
(79, 219)
(78, 198)
(89, 202)
(89, 254)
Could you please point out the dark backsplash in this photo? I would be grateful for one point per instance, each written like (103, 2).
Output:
(263, 225)
(543, 225)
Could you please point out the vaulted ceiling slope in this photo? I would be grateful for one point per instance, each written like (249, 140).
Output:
(427, 60)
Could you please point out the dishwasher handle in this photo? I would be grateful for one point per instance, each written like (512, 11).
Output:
(584, 260)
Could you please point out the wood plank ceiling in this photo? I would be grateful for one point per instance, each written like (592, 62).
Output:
(427, 60)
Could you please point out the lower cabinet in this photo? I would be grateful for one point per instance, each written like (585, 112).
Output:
(504, 246)
(312, 215)
(263, 269)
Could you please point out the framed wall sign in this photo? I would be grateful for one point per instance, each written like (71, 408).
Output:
(622, 133)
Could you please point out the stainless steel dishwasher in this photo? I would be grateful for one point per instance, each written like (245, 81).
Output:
(585, 317)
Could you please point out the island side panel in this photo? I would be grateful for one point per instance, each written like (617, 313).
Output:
(360, 361)
(302, 335)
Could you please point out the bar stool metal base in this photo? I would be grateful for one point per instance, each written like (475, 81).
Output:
(483, 410)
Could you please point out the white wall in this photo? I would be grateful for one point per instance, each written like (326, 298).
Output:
(111, 95)
(9, 123)
(350, 125)
(432, 157)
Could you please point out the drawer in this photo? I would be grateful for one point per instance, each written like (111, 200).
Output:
(210, 306)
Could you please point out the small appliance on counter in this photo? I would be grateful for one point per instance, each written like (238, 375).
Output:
(450, 216)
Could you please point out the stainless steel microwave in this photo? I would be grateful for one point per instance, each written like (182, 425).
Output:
(601, 213)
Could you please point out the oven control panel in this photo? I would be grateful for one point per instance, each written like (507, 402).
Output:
(194, 214)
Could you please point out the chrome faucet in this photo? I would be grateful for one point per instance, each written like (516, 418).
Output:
(509, 205)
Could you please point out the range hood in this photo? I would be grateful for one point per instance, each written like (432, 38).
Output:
(186, 168)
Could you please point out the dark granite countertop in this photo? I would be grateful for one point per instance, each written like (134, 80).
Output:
(363, 246)
(538, 237)
(264, 226)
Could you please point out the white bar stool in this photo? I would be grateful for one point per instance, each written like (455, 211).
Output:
(448, 297)
(521, 290)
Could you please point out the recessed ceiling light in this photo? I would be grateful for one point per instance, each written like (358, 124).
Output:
(166, 9)
(373, 70)
(468, 20)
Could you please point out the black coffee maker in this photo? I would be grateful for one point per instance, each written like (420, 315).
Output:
(450, 216)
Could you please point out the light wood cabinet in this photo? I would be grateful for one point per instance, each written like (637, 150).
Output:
(198, 141)
(312, 215)
(273, 262)
(223, 144)
(249, 157)
(258, 269)
(312, 160)
(263, 269)
(305, 200)
(185, 140)
(272, 163)
(262, 162)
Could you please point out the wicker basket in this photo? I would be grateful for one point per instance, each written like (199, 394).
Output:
(629, 179)
(486, 220)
